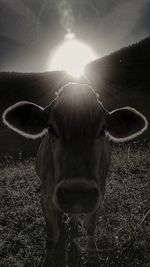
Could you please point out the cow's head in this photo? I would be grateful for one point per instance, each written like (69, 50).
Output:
(78, 128)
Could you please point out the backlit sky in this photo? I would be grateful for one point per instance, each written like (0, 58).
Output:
(30, 30)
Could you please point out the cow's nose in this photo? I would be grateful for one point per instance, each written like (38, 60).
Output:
(74, 196)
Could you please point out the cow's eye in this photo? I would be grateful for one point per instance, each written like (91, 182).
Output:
(52, 130)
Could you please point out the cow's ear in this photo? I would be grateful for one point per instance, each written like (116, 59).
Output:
(27, 119)
(125, 124)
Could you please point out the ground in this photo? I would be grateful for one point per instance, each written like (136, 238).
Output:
(122, 230)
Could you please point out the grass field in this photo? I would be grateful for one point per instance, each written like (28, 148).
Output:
(123, 225)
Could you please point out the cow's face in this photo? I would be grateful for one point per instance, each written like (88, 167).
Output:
(80, 152)
(77, 127)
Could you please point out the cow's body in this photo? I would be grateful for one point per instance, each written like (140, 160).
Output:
(74, 157)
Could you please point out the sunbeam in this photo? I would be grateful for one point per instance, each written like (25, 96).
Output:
(72, 56)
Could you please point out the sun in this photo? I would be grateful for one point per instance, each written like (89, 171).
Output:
(72, 56)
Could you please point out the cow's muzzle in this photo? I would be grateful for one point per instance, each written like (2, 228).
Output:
(77, 196)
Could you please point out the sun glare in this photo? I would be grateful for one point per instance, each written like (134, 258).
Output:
(72, 56)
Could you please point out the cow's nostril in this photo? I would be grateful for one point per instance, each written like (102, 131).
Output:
(69, 197)
(77, 192)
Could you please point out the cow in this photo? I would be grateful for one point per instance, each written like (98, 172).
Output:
(74, 156)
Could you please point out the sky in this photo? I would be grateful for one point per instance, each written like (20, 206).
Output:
(30, 30)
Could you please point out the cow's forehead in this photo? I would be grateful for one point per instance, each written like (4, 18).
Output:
(77, 99)
(75, 88)
(75, 110)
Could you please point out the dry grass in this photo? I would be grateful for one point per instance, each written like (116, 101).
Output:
(122, 231)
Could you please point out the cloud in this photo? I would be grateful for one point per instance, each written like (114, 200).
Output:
(18, 22)
(105, 25)
(122, 19)
(117, 24)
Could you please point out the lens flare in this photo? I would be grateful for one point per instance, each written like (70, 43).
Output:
(72, 56)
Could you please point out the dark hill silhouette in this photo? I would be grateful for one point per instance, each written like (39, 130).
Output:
(128, 65)
(121, 78)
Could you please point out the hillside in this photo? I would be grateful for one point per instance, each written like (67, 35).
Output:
(121, 78)
(129, 65)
